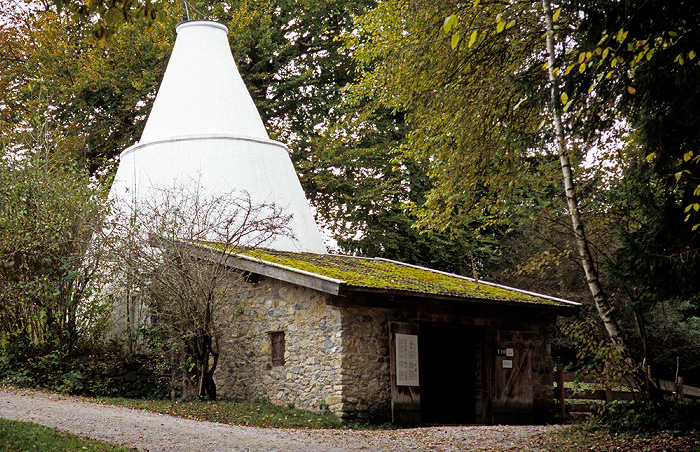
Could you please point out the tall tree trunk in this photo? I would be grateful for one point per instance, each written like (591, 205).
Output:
(606, 311)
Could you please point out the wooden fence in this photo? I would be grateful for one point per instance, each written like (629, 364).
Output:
(587, 400)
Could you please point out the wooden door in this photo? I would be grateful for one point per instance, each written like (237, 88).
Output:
(405, 377)
(513, 395)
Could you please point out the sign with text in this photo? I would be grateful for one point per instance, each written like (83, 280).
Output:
(407, 360)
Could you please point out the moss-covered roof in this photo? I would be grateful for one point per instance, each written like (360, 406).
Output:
(384, 275)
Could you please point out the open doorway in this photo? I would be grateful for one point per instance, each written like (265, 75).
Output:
(450, 373)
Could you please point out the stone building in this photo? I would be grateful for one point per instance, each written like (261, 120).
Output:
(381, 340)
(360, 338)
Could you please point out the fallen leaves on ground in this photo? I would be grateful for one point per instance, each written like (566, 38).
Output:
(583, 439)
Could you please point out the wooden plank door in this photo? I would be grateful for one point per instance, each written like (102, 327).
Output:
(405, 377)
(513, 398)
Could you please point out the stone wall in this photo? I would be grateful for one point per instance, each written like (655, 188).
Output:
(365, 381)
(337, 357)
(311, 377)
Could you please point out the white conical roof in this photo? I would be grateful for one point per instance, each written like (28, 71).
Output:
(202, 91)
(204, 128)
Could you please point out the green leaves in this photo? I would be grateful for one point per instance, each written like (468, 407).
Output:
(450, 21)
(47, 212)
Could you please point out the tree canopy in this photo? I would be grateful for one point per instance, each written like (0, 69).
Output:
(471, 79)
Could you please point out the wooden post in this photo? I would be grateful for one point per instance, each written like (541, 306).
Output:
(560, 388)
(679, 386)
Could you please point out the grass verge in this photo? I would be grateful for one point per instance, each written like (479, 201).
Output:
(25, 436)
(260, 413)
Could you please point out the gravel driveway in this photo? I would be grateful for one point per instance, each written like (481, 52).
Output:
(153, 432)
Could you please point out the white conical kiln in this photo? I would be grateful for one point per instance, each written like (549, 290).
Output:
(205, 128)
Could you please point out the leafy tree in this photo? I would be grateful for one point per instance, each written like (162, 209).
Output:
(470, 78)
(48, 213)
(641, 58)
(632, 65)
(98, 91)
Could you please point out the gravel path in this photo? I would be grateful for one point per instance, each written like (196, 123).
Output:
(153, 432)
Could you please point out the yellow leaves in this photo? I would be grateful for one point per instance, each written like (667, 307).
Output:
(650, 53)
(455, 40)
(613, 63)
(691, 55)
(687, 156)
(555, 16)
(621, 36)
(501, 24)
(679, 59)
(450, 21)
(582, 68)
(631, 90)
(650, 157)
(679, 174)
(564, 98)
(472, 38)
(696, 207)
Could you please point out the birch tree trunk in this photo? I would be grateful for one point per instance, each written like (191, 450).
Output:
(606, 311)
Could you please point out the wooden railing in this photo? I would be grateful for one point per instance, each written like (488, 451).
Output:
(585, 401)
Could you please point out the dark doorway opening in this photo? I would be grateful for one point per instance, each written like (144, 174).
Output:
(449, 360)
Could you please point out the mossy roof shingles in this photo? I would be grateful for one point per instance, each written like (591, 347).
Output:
(380, 274)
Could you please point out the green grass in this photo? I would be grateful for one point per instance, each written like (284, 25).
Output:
(259, 413)
(16, 436)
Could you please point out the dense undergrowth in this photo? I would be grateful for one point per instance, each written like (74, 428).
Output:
(643, 417)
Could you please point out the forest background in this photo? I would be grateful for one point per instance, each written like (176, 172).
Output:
(421, 132)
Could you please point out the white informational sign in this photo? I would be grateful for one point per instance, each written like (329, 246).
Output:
(507, 363)
(407, 360)
(509, 352)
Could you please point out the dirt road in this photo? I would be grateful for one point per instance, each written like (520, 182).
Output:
(155, 432)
